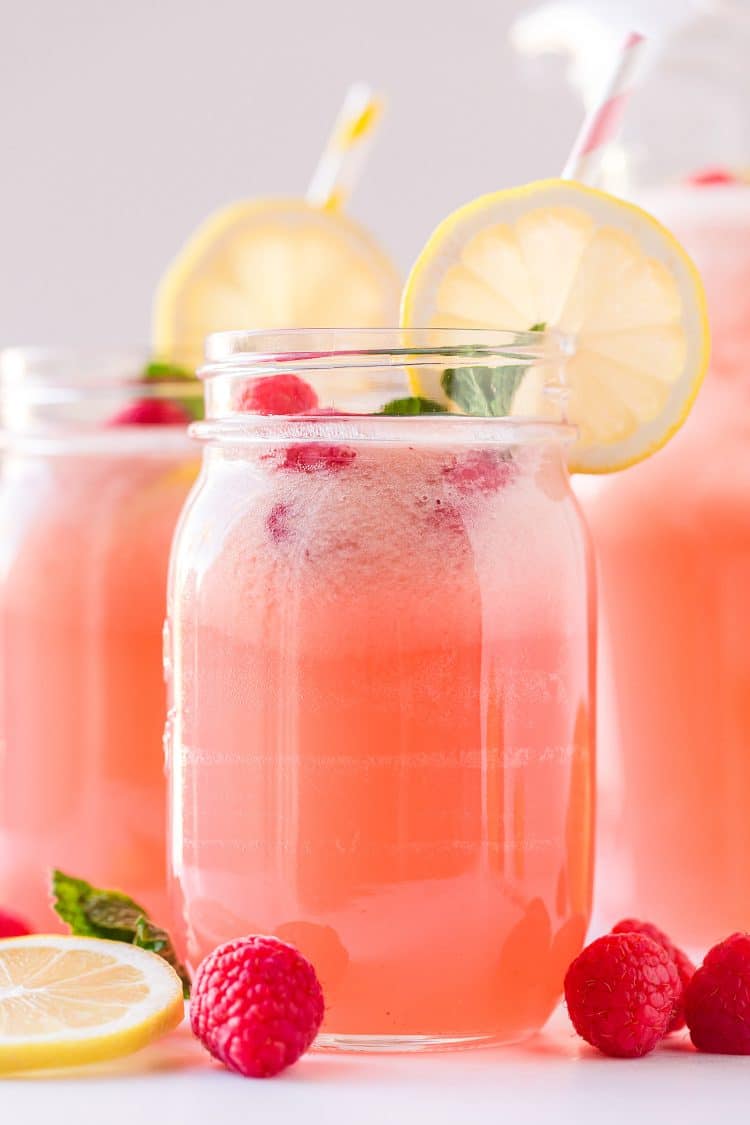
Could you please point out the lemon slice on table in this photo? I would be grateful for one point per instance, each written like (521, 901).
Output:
(273, 263)
(66, 1001)
(604, 273)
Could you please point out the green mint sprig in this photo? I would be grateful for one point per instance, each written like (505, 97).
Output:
(485, 391)
(158, 371)
(413, 405)
(92, 912)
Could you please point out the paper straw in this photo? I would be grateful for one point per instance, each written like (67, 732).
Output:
(603, 122)
(349, 143)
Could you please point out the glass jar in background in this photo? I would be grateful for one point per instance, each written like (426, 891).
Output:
(380, 654)
(89, 497)
(673, 534)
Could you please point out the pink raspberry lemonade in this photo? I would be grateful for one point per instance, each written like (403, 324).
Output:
(380, 656)
(673, 540)
(91, 491)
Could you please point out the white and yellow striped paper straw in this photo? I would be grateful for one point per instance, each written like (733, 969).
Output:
(343, 157)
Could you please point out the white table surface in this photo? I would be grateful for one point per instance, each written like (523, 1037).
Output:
(555, 1078)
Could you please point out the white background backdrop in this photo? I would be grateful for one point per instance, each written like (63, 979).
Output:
(123, 123)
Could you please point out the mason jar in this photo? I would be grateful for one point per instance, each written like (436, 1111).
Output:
(380, 664)
(96, 464)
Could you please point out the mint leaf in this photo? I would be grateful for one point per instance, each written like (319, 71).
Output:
(156, 940)
(465, 386)
(92, 912)
(485, 392)
(158, 371)
(540, 326)
(413, 405)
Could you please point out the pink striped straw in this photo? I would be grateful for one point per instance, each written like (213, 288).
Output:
(603, 122)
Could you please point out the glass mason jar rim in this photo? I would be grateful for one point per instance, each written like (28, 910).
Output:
(264, 351)
(64, 399)
(370, 368)
(48, 375)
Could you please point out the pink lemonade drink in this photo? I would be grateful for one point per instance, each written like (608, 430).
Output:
(380, 648)
(88, 509)
(673, 539)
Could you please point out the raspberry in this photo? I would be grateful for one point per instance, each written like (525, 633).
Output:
(12, 926)
(151, 412)
(313, 458)
(717, 1000)
(685, 967)
(621, 993)
(708, 177)
(256, 1005)
(277, 394)
(277, 522)
(447, 519)
(481, 469)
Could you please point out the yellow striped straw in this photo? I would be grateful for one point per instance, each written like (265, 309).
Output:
(343, 157)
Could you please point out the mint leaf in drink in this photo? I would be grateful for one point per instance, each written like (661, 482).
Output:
(159, 371)
(413, 405)
(485, 392)
(93, 912)
(540, 326)
(466, 387)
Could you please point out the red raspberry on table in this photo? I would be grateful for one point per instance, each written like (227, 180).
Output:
(310, 457)
(621, 991)
(685, 967)
(151, 412)
(256, 1005)
(277, 394)
(12, 926)
(717, 1000)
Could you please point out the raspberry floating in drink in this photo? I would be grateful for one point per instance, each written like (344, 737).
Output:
(316, 458)
(277, 394)
(151, 412)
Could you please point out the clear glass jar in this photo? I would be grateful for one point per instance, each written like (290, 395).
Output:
(87, 512)
(380, 657)
(673, 534)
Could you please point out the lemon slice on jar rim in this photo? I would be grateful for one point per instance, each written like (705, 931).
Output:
(69, 1001)
(610, 279)
(272, 263)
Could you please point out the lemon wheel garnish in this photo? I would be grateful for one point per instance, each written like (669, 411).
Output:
(268, 264)
(602, 272)
(67, 1001)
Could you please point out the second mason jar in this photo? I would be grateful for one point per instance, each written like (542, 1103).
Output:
(380, 657)
(96, 464)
